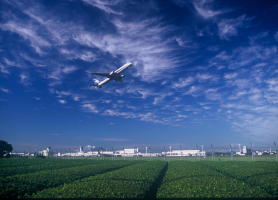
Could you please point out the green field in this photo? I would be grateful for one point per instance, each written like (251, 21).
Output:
(138, 178)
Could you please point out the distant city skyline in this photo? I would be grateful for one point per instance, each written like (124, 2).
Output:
(204, 72)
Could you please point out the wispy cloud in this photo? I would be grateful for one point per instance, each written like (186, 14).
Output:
(110, 139)
(88, 107)
(59, 73)
(203, 8)
(28, 32)
(24, 78)
(64, 94)
(71, 54)
(62, 101)
(140, 42)
(183, 82)
(228, 28)
(5, 90)
(4, 69)
(105, 5)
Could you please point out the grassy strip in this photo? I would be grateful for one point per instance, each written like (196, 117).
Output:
(45, 164)
(14, 162)
(19, 185)
(135, 181)
(260, 174)
(194, 180)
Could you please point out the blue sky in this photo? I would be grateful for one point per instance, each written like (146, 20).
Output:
(203, 72)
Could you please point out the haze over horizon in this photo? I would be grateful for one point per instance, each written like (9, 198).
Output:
(204, 72)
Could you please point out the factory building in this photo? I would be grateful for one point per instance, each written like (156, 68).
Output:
(46, 152)
(127, 153)
(184, 153)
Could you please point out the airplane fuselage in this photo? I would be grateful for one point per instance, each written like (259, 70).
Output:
(115, 76)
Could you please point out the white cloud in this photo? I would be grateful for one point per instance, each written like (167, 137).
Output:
(229, 27)
(82, 55)
(111, 112)
(63, 94)
(28, 32)
(113, 139)
(193, 90)
(140, 42)
(160, 97)
(10, 63)
(242, 83)
(213, 94)
(185, 43)
(203, 8)
(4, 69)
(230, 75)
(24, 78)
(59, 73)
(62, 101)
(5, 90)
(206, 77)
(104, 5)
(90, 107)
(183, 82)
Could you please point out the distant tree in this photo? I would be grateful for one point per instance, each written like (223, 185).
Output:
(5, 148)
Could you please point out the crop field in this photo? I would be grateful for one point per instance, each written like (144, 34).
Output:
(137, 178)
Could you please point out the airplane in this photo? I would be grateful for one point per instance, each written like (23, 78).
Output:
(114, 75)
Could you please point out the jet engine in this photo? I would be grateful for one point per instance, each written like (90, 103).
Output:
(95, 82)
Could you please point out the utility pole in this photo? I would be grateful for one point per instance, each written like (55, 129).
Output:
(197, 154)
(231, 152)
(170, 147)
(212, 152)
(276, 155)
(202, 147)
(164, 152)
(252, 152)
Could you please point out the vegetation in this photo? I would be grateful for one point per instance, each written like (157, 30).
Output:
(20, 185)
(43, 164)
(134, 181)
(256, 174)
(197, 180)
(5, 149)
(137, 178)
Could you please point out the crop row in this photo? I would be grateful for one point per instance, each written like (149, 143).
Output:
(44, 165)
(261, 174)
(14, 162)
(20, 185)
(194, 180)
(135, 181)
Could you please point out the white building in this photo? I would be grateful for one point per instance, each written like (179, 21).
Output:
(184, 153)
(46, 152)
(244, 149)
(128, 153)
(241, 152)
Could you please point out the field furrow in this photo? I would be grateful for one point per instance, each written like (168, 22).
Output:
(257, 174)
(195, 180)
(135, 181)
(20, 185)
(44, 164)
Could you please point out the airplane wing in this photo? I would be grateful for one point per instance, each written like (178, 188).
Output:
(100, 74)
(123, 68)
(100, 84)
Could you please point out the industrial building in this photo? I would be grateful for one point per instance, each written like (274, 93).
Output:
(184, 153)
(133, 152)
